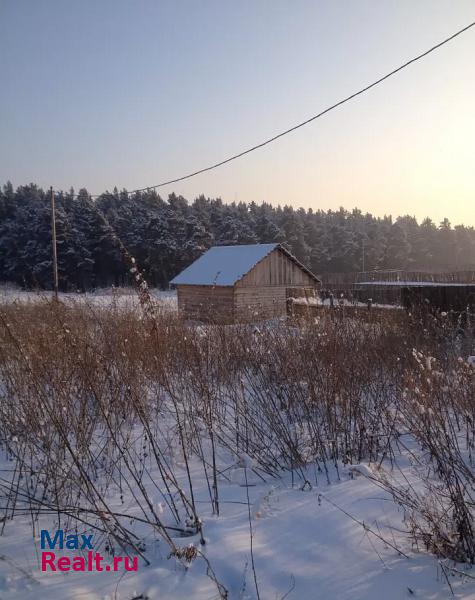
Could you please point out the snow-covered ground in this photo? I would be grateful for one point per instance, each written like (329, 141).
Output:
(337, 539)
(315, 543)
(126, 297)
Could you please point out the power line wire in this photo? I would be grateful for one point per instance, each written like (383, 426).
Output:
(307, 121)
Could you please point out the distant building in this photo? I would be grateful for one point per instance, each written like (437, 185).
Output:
(456, 296)
(242, 283)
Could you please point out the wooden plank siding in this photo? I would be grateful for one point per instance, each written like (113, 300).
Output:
(206, 302)
(262, 293)
(276, 269)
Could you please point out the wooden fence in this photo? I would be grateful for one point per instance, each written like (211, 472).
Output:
(383, 288)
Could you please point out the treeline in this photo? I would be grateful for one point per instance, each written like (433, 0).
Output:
(164, 236)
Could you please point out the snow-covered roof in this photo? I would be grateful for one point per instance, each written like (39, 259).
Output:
(223, 265)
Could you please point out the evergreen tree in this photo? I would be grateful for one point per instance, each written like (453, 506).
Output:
(397, 251)
(165, 236)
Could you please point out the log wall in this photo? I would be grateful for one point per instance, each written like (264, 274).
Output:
(257, 303)
(206, 303)
(216, 304)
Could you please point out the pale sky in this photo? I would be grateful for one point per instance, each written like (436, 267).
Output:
(129, 93)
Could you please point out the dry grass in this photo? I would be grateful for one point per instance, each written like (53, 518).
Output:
(99, 403)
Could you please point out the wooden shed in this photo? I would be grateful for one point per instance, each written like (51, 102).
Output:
(242, 284)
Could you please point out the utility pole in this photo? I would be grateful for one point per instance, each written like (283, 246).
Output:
(53, 236)
(363, 257)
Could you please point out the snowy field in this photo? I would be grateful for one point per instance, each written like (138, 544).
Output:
(125, 297)
(305, 544)
(247, 464)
